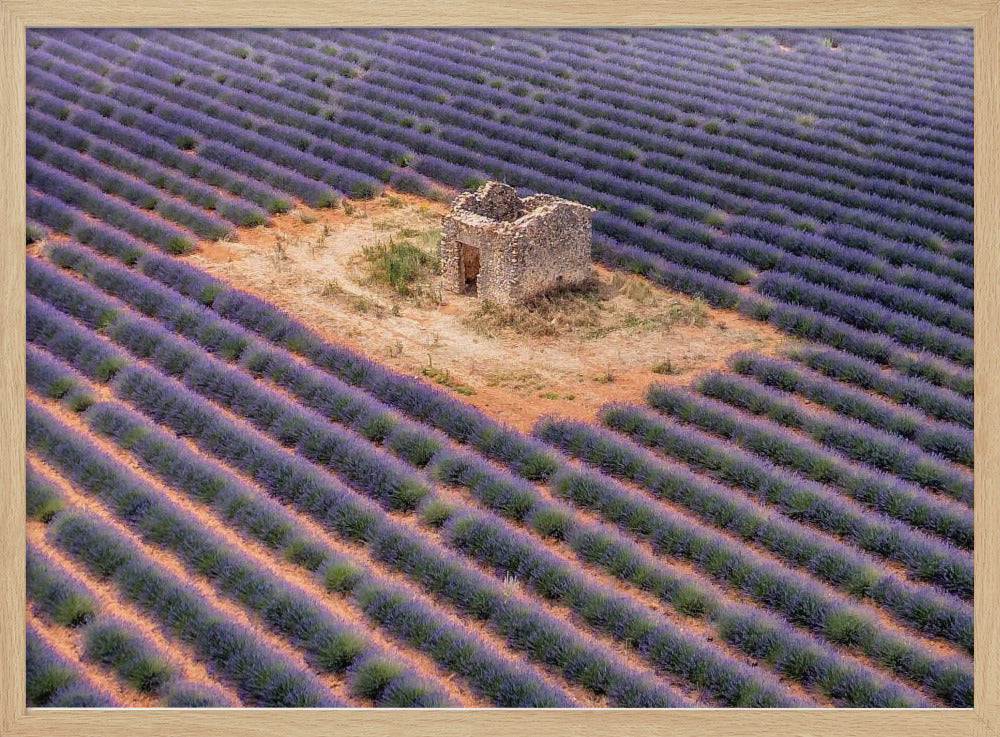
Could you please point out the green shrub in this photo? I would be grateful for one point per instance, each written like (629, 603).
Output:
(373, 676)
(73, 609)
(399, 265)
(341, 576)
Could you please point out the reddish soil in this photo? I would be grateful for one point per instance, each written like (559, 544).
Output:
(308, 262)
(517, 397)
(174, 567)
(283, 569)
(110, 603)
(69, 644)
(359, 553)
(696, 626)
(889, 622)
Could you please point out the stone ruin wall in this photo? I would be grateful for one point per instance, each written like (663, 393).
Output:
(526, 246)
(555, 241)
(488, 237)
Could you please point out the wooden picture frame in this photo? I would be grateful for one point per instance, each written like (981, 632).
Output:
(17, 15)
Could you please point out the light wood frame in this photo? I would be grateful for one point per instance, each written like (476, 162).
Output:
(17, 15)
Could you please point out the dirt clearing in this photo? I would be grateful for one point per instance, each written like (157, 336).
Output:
(358, 277)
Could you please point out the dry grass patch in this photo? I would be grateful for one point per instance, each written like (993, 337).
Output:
(406, 263)
(589, 311)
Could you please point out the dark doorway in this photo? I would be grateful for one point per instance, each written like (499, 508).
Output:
(468, 265)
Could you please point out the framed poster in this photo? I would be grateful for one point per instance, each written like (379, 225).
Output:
(528, 370)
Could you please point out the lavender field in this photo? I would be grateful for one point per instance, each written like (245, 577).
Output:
(226, 507)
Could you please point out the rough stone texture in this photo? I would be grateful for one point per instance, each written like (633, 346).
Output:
(523, 245)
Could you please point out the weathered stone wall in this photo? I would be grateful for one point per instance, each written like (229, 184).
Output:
(526, 245)
(555, 240)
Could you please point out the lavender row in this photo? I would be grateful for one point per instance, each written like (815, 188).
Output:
(901, 299)
(947, 440)
(198, 125)
(408, 98)
(33, 232)
(955, 259)
(627, 96)
(318, 390)
(745, 628)
(101, 87)
(868, 316)
(940, 404)
(593, 46)
(139, 194)
(702, 53)
(683, 98)
(571, 55)
(801, 600)
(502, 681)
(698, 53)
(50, 379)
(246, 164)
(850, 248)
(258, 39)
(809, 505)
(107, 642)
(877, 490)
(313, 192)
(390, 483)
(87, 117)
(754, 473)
(42, 499)
(54, 682)
(86, 353)
(261, 675)
(68, 220)
(767, 245)
(293, 480)
(334, 400)
(805, 322)
(130, 88)
(56, 594)
(109, 209)
(287, 113)
(330, 643)
(143, 666)
(788, 448)
(827, 559)
(238, 212)
(852, 438)
(512, 553)
(945, 54)
(387, 160)
(717, 170)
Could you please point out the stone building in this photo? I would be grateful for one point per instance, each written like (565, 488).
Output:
(505, 248)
